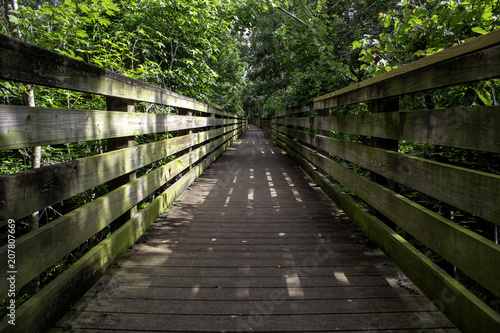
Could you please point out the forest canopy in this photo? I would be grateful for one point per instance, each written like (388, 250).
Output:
(245, 56)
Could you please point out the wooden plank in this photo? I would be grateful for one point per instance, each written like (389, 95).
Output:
(464, 309)
(259, 322)
(460, 187)
(473, 254)
(257, 294)
(432, 330)
(246, 271)
(24, 62)
(22, 126)
(44, 309)
(469, 128)
(48, 244)
(144, 280)
(385, 305)
(332, 261)
(46, 186)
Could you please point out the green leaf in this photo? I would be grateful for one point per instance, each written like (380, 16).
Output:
(13, 19)
(357, 44)
(479, 30)
(484, 95)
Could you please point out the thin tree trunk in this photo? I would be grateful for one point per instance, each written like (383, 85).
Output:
(35, 163)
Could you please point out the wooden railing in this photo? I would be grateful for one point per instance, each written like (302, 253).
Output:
(310, 134)
(200, 133)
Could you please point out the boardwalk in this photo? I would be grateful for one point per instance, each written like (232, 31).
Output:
(253, 246)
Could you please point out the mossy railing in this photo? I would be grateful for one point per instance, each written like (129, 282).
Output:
(198, 132)
(361, 152)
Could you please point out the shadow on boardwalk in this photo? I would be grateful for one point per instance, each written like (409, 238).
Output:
(253, 246)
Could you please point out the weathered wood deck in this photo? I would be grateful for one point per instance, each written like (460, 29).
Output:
(253, 246)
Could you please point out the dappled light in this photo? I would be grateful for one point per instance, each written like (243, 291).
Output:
(249, 166)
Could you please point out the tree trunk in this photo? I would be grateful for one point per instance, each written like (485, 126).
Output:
(34, 219)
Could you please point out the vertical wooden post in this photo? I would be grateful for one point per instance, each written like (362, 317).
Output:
(378, 106)
(390, 104)
(187, 113)
(124, 105)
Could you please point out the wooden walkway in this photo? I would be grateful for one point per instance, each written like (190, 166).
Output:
(254, 246)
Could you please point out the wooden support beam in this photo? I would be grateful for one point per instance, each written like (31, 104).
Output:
(383, 105)
(124, 105)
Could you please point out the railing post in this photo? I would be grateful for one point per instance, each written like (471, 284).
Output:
(124, 105)
(390, 104)
(188, 113)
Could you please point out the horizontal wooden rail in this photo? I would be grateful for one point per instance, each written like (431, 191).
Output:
(24, 62)
(478, 126)
(79, 225)
(197, 135)
(22, 126)
(49, 185)
(307, 132)
(431, 177)
(453, 299)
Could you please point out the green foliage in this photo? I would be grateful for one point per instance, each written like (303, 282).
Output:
(294, 60)
(185, 46)
(414, 29)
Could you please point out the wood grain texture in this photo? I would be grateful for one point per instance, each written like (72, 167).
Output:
(25, 192)
(460, 187)
(463, 308)
(469, 128)
(22, 127)
(24, 62)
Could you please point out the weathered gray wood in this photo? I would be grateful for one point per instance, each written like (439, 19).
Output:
(123, 105)
(470, 128)
(44, 309)
(463, 308)
(24, 62)
(22, 126)
(25, 192)
(263, 281)
(254, 322)
(460, 187)
(386, 305)
(473, 254)
(44, 246)
(258, 294)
